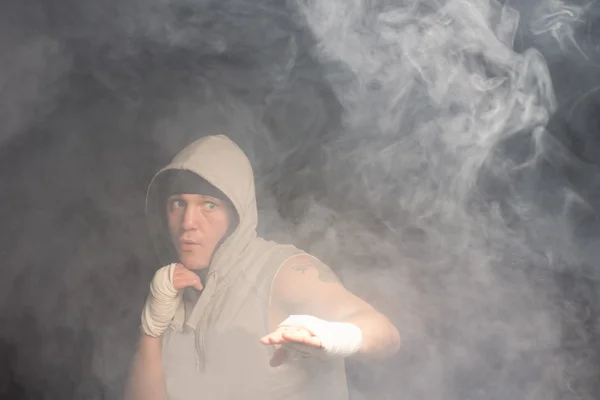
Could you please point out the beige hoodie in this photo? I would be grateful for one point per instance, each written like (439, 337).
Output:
(212, 350)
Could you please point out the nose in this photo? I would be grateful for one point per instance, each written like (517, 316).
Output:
(193, 219)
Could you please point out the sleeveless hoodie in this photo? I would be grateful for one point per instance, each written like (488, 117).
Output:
(212, 350)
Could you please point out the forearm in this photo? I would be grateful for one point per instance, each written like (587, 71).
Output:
(146, 380)
(380, 338)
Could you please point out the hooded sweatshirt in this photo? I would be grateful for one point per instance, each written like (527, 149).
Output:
(212, 350)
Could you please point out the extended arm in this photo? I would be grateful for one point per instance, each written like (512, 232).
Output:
(306, 286)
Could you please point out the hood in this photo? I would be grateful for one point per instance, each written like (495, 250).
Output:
(219, 161)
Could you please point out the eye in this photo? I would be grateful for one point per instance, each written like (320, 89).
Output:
(176, 203)
(210, 205)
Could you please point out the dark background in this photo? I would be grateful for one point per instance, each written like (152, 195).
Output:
(96, 95)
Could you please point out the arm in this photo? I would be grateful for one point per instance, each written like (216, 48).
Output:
(146, 380)
(306, 286)
(146, 377)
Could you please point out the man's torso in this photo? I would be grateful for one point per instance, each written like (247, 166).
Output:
(236, 363)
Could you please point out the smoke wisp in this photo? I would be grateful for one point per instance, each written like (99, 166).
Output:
(424, 149)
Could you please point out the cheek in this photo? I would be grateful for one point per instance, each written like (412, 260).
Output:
(173, 222)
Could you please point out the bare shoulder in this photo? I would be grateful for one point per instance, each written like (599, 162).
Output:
(306, 285)
(307, 267)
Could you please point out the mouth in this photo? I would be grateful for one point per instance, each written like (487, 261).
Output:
(187, 243)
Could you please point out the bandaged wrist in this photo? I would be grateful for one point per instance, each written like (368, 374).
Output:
(162, 302)
(338, 339)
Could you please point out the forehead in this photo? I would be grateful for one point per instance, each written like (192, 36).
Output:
(193, 197)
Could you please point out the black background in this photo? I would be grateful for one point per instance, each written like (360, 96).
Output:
(79, 148)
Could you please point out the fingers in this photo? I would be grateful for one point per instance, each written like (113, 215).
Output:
(301, 337)
(198, 285)
(291, 342)
(291, 351)
(272, 338)
(183, 277)
(280, 356)
(291, 335)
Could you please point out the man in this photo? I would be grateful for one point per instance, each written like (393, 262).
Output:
(230, 315)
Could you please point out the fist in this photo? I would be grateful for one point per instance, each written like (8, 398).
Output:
(183, 277)
(165, 297)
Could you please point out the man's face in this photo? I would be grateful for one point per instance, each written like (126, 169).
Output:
(196, 223)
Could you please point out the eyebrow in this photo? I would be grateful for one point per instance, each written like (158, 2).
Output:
(205, 197)
(211, 198)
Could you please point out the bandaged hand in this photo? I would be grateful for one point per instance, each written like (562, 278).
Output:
(165, 297)
(307, 336)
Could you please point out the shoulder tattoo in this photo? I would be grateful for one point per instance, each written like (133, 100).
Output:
(326, 274)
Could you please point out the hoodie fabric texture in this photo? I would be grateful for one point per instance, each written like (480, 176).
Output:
(212, 349)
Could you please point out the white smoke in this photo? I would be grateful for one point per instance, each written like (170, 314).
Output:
(406, 143)
(433, 93)
(559, 20)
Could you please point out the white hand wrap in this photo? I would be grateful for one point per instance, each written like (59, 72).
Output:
(338, 339)
(161, 303)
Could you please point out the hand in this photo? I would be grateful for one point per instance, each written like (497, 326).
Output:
(291, 342)
(183, 277)
(165, 297)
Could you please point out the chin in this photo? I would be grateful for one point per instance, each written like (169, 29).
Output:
(193, 263)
